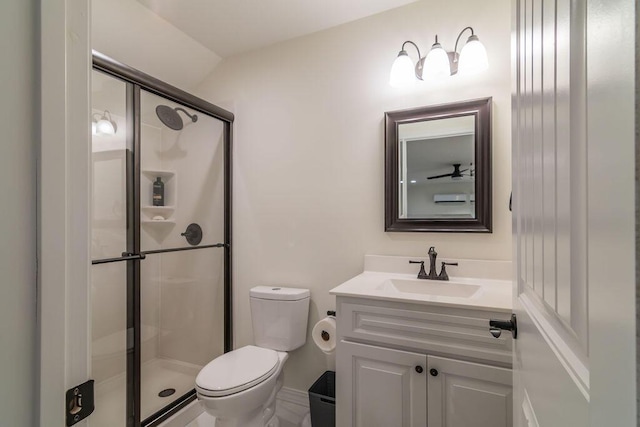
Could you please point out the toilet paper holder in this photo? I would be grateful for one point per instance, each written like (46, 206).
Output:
(325, 335)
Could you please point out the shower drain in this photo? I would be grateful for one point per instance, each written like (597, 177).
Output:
(167, 392)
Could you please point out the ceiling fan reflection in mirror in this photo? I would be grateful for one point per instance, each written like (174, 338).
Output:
(457, 173)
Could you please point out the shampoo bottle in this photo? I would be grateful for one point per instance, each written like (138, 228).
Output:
(158, 192)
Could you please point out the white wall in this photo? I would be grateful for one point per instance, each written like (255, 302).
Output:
(19, 122)
(132, 34)
(308, 156)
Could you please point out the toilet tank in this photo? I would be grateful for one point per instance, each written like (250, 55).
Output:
(279, 316)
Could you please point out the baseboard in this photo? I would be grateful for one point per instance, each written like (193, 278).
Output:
(293, 396)
(292, 406)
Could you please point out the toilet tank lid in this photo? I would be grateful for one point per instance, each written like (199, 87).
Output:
(279, 293)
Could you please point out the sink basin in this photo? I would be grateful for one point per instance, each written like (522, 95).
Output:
(429, 287)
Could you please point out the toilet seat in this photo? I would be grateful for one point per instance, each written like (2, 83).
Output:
(236, 371)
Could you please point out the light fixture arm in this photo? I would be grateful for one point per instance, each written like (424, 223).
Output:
(414, 45)
(419, 63)
(455, 49)
(106, 115)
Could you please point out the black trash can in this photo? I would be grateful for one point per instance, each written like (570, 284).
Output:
(322, 400)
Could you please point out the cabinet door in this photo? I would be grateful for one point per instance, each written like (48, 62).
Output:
(464, 394)
(379, 387)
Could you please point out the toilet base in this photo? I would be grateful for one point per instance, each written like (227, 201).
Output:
(253, 419)
(274, 422)
(262, 416)
(259, 418)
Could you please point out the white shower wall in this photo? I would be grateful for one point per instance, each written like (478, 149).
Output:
(183, 292)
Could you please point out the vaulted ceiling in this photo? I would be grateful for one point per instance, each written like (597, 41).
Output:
(229, 27)
(182, 41)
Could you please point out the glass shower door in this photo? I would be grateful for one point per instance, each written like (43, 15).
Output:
(182, 220)
(160, 282)
(110, 238)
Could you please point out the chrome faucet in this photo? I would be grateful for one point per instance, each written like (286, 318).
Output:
(433, 255)
(433, 275)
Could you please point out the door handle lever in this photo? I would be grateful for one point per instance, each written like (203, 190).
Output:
(495, 332)
(497, 326)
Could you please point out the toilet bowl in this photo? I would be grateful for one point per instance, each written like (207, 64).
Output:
(239, 388)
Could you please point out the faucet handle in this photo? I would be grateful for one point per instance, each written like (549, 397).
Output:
(443, 272)
(422, 274)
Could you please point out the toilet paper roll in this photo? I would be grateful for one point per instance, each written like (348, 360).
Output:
(324, 334)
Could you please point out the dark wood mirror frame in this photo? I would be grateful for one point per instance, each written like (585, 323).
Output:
(481, 109)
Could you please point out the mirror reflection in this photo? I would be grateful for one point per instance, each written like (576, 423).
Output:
(436, 168)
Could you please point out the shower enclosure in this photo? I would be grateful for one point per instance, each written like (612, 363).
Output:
(161, 234)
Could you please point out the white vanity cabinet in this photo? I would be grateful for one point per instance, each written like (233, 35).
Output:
(383, 389)
(463, 394)
(417, 365)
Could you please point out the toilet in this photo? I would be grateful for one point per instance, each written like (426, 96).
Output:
(239, 388)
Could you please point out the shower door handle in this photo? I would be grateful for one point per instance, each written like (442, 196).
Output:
(129, 256)
(126, 256)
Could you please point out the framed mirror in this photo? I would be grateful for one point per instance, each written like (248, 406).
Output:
(438, 168)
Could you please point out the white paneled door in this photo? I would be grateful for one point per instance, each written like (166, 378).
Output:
(573, 212)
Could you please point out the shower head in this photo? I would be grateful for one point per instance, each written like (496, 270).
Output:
(170, 117)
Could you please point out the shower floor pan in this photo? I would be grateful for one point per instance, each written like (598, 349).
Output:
(157, 375)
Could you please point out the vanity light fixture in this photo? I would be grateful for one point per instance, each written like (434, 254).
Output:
(104, 125)
(438, 63)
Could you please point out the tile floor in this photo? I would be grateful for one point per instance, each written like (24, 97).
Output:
(290, 415)
(206, 420)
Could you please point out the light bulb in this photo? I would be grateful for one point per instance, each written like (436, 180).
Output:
(105, 127)
(473, 58)
(402, 71)
(436, 64)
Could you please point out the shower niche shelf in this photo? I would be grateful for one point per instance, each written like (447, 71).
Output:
(158, 221)
(165, 211)
(147, 210)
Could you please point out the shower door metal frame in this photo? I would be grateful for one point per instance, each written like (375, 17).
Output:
(136, 81)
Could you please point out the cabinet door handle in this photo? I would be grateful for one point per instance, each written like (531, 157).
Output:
(433, 372)
(419, 369)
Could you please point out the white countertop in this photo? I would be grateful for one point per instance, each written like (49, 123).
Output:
(494, 295)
